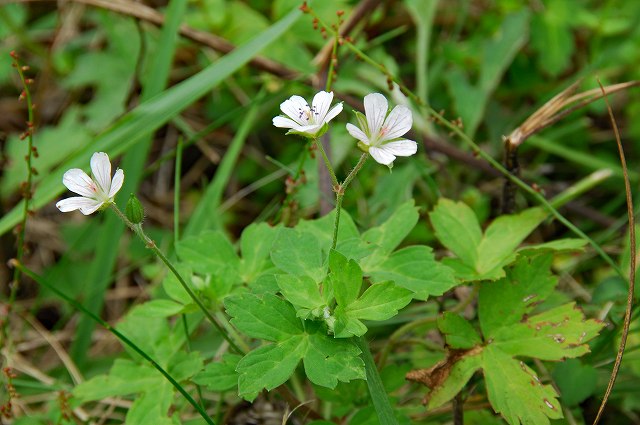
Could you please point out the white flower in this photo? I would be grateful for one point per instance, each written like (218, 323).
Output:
(380, 133)
(95, 192)
(304, 120)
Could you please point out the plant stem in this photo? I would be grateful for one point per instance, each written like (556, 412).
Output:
(149, 243)
(334, 57)
(119, 335)
(376, 390)
(340, 189)
(334, 179)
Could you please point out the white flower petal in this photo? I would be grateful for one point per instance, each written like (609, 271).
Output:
(116, 183)
(397, 123)
(90, 209)
(357, 133)
(321, 103)
(333, 112)
(293, 107)
(78, 203)
(309, 129)
(284, 122)
(381, 155)
(101, 169)
(402, 147)
(79, 182)
(375, 108)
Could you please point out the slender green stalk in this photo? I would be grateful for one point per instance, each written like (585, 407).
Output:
(118, 335)
(149, 243)
(340, 189)
(176, 192)
(376, 390)
(185, 326)
(334, 179)
(334, 57)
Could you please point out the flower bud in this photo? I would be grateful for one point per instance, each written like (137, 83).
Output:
(134, 210)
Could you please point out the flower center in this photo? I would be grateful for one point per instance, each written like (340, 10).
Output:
(308, 114)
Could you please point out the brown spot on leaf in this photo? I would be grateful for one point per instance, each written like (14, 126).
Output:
(435, 376)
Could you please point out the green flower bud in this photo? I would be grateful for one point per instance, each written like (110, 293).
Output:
(134, 210)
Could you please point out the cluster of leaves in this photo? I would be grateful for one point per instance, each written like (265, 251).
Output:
(300, 300)
(291, 299)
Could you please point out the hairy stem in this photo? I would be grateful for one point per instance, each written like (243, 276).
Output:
(149, 243)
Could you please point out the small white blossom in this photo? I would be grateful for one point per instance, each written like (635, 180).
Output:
(380, 133)
(95, 193)
(304, 120)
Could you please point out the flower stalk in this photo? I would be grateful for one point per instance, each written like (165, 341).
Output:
(340, 190)
(150, 244)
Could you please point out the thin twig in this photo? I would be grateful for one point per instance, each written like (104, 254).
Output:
(632, 263)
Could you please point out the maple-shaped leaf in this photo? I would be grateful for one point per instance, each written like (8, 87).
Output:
(327, 361)
(510, 333)
(379, 301)
(481, 256)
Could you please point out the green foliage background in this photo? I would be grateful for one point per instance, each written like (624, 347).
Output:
(108, 81)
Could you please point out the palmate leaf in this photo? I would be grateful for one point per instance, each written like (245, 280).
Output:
(511, 333)
(327, 361)
(380, 301)
(481, 256)
(298, 253)
(414, 268)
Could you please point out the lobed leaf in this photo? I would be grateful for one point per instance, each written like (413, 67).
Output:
(269, 366)
(298, 253)
(515, 391)
(414, 268)
(458, 332)
(255, 244)
(220, 376)
(267, 317)
(457, 228)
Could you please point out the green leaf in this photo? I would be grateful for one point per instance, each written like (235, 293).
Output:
(255, 245)
(269, 366)
(220, 376)
(515, 390)
(152, 407)
(457, 228)
(379, 302)
(160, 308)
(509, 330)
(298, 253)
(183, 365)
(389, 234)
(345, 278)
(576, 381)
(557, 245)
(269, 317)
(350, 244)
(208, 252)
(118, 382)
(329, 360)
(506, 301)
(553, 335)
(415, 269)
(502, 237)
(482, 257)
(302, 292)
(447, 378)
(458, 332)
